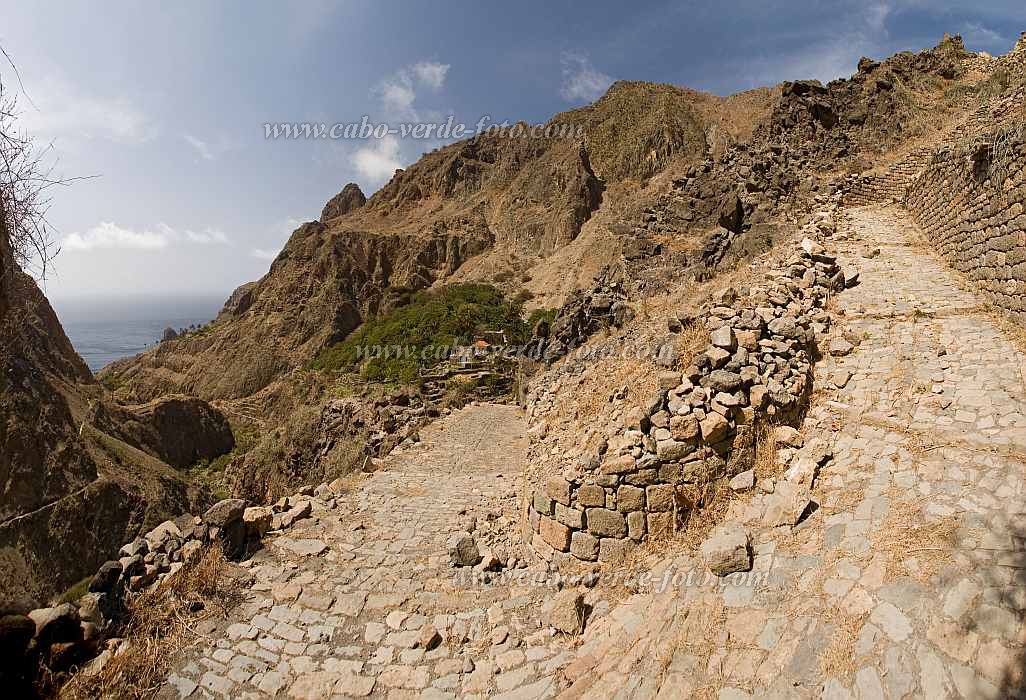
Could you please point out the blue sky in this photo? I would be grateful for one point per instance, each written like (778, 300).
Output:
(166, 104)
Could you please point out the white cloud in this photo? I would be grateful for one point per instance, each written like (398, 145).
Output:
(876, 16)
(977, 36)
(202, 147)
(399, 92)
(107, 235)
(264, 253)
(379, 160)
(431, 73)
(58, 109)
(397, 97)
(207, 237)
(581, 80)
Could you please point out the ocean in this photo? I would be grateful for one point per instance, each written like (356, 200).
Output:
(105, 330)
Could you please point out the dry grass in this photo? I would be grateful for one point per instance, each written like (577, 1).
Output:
(158, 625)
(765, 451)
(838, 659)
(691, 341)
(709, 504)
(916, 547)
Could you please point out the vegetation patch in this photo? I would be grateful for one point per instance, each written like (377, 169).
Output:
(210, 472)
(157, 625)
(396, 346)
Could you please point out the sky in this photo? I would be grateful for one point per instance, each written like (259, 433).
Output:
(157, 112)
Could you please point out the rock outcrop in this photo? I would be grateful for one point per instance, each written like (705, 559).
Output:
(351, 197)
(70, 493)
(178, 430)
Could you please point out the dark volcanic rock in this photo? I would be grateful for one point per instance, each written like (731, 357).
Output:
(351, 197)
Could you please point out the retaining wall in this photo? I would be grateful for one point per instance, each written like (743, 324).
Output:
(970, 203)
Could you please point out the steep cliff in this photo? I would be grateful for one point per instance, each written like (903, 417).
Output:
(70, 493)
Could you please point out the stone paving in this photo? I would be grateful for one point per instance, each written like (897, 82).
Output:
(907, 579)
(349, 602)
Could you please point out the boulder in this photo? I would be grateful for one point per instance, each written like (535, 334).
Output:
(91, 609)
(258, 521)
(463, 550)
(839, 347)
(159, 537)
(714, 428)
(744, 481)
(567, 614)
(298, 512)
(722, 380)
(56, 625)
(726, 551)
(106, 577)
(723, 337)
(226, 517)
(787, 436)
(225, 512)
(786, 505)
(428, 638)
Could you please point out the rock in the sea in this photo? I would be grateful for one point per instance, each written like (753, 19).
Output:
(726, 551)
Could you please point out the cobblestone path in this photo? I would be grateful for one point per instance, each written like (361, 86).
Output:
(909, 580)
(342, 602)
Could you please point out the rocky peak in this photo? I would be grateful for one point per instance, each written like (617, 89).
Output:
(351, 197)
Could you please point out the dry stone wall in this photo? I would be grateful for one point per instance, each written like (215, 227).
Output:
(970, 204)
(891, 184)
(698, 426)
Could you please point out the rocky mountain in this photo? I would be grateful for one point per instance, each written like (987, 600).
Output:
(78, 474)
(657, 188)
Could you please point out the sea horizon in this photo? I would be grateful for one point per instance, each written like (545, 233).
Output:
(105, 329)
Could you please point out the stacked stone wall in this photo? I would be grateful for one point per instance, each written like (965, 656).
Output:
(970, 204)
(698, 427)
(891, 184)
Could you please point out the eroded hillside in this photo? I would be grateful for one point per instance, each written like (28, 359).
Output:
(666, 188)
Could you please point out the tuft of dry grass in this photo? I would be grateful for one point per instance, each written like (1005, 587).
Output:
(709, 503)
(159, 624)
(693, 340)
(916, 547)
(765, 451)
(838, 659)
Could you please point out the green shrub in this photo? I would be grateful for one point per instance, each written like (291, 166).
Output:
(537, 315)
(413, 337)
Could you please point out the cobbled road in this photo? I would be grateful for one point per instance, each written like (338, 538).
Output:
(907, 580)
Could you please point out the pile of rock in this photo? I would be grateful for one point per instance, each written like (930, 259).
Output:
(69, 634)
(484, 544)
(697, 426)
(583, 315)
